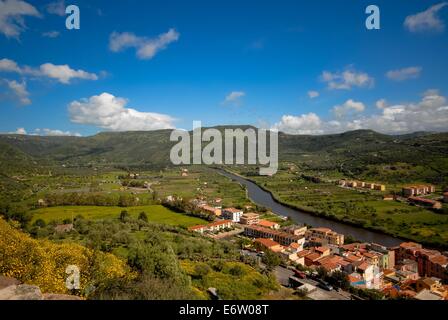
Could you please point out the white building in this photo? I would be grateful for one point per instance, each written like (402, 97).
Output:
(232, 214)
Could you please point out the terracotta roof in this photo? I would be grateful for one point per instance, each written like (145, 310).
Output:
(250, 215)
(313, 256)
(218, 223)
(266, 223)
(321, 249)
(363, 266)
(268, 243)
(232, 210)
(321, 229)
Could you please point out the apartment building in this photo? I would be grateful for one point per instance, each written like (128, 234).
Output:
(331, 236)
(232, 214)
(283, 238)
(250, 218)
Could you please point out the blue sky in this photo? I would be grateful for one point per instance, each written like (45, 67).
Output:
(305, 67)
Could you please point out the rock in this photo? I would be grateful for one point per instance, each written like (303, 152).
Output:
(53, 296)
(21, 292)
(7, 281)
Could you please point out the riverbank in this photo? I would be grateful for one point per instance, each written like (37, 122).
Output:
(366, 233)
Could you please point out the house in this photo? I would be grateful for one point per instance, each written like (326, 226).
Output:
(431, 263)
(429, 203)
(249, 218)
(41, 203)
(296, 230)
(232, 214)
(434, 285)
(62, 228)
(427, 295)
(291, 255)
(417, 190)
(269, 244)
(379, 187)
(212, 227)
(268, 224)
(332, 237)
(283, 238)
(211, 210)
(445, 197)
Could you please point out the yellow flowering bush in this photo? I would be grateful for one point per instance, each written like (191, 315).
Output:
(43, 263)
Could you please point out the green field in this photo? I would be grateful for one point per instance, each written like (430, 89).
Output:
(155, 213)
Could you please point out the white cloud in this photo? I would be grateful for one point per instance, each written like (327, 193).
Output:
(404, 74)
(51, 34)
(234, 97)
(429, 114)
(426, 20)
(20, 91)
(146, 48)
(109, 112)
(62, 73)
(7, 65)
(381, 104)
(348, 108)
(347, 80)
(56, 133)
(313, 94)
(304, 124)
(19, 131)
(12, 13)
(57, 8)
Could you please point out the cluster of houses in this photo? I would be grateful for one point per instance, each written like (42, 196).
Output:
(362, 184)
(407, 270)
(414, 193)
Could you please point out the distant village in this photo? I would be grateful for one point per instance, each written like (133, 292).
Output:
(413, 194)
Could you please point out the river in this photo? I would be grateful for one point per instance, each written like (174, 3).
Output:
(265, 199)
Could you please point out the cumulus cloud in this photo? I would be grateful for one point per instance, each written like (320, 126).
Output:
(12, 13)
(51, 34)
(20, 91)
(381, 104)
(57, 8)
(404, 74)
(348, 108)
(234, 97)
(56, 133)
(346, 80)
(19, 131)
(62, 73)
(428, 114)
(109, 112)
(146, 48)
(304, 124)
(427, 20)
(313, 94)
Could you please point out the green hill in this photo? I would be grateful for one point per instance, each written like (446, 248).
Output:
(353, 153)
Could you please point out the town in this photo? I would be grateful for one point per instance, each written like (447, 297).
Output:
(313, 254)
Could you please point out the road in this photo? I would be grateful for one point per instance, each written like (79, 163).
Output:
(283, 275)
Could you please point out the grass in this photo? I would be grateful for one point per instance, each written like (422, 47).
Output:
(246, 284)
(155, 213)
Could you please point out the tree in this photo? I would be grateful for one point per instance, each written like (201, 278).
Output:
(271, 260)
(40, 223)
(124, 215)
(142, 216)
